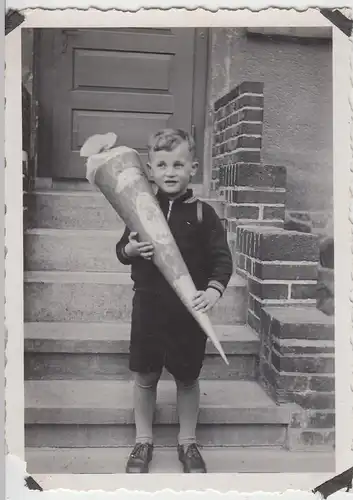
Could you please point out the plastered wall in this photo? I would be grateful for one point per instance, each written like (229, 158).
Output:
(297, 106)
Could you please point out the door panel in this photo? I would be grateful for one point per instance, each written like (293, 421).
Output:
(119, 70)
(130, 127)
(131, 82)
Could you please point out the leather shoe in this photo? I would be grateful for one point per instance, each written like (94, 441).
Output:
(191, 459)
(139, 459)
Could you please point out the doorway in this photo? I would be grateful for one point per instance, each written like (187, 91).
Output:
(131, 81)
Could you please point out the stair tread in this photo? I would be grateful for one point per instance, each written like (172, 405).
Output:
(57, 461)
(118, 331)
(72, 192)
(78, 233)
(77, 277)
(300, 315)
(100, 394)
(97, 277)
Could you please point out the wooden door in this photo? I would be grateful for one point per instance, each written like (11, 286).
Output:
(129, 81)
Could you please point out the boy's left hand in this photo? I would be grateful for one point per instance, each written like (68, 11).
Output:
(204, 300)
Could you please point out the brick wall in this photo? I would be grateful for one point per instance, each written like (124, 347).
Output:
(296, 362)
(280, 266)
(297, 366)
(254, 193)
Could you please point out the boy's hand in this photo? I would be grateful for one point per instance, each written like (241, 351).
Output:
(139, 249)
(204, 300)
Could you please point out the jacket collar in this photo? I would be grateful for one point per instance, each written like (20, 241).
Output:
(187, 197)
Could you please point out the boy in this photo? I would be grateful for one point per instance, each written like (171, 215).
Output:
(163, 332)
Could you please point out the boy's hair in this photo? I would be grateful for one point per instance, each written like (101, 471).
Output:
(168, 139)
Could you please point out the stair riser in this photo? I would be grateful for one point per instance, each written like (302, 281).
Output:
(165, 414)
(71, 211)
(109, 302)
(73, 252)
(82, 210)
(82, 436)
(51, 346)
(39, 366)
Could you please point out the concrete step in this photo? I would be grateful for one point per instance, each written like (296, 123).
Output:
(94, 296)
(56, 351)
(110, 402)
(113, 338)
(70, 210)
(72, 250)
(111, 461)
(123, 435)
(67, 413)
(78, 209)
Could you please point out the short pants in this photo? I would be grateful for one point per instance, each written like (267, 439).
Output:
(165, 334)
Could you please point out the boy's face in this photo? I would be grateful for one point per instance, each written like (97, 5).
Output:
(172, 170)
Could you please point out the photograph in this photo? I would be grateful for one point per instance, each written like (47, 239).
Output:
(178, 250)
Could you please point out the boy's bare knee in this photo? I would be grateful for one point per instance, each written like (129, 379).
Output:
(147, 380)
(187, 384)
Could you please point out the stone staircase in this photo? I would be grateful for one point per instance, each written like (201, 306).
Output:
(78, 389)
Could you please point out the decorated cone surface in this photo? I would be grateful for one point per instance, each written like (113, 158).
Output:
(119, 175)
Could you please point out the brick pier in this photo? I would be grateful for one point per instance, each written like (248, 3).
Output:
(281, 268)
(254, 193)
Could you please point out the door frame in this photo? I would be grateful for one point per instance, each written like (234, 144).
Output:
(47, 42)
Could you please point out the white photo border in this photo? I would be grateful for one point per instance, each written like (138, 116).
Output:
(343, 135)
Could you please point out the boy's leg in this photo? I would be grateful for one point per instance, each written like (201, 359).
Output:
(146, 361)
(188, 402)
(185, 354)
(145, 393)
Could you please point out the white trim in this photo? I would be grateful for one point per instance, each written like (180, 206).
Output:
(253, 314)
(244, 94)
(293, 302)
(259, 189)
(284, 282)
(14, 370)
(294, 342)
(282, 262)
(253, 136)
(326, 355)
(274, 302)
(246, 204)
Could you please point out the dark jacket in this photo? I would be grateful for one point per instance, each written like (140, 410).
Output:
(203, 245)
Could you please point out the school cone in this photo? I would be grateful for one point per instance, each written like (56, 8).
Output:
(119, 175)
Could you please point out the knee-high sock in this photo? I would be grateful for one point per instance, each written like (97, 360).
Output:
(188, 402)
(145, 393)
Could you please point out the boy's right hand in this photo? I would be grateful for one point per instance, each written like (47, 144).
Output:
(139, 249)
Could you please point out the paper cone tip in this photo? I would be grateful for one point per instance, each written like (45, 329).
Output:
(225, 359)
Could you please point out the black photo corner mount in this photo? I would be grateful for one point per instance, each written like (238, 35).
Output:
(32, 484)
(339, 20)
(13, 19)
(336, 483)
